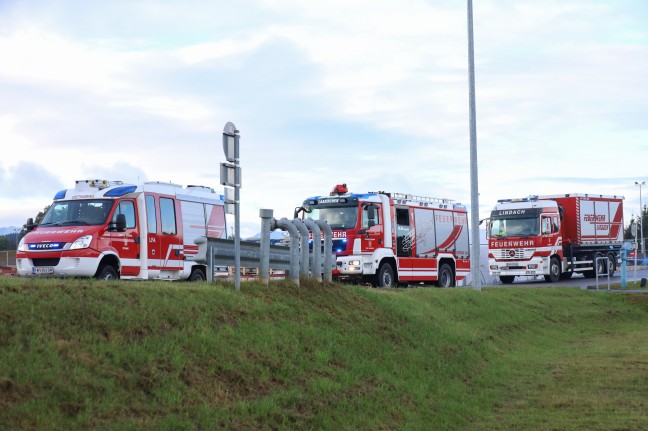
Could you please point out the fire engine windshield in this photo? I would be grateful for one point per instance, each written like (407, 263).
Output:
(78, 213)
(514, 227)
(337, 217)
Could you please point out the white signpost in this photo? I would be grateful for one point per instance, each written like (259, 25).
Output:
(230, 175)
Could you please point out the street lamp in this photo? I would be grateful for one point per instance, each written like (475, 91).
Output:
(643, 248)
(474, 178)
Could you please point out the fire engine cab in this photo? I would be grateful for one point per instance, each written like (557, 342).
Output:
(388, 238)
(109, 229)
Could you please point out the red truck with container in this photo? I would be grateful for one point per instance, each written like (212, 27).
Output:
(555, 236)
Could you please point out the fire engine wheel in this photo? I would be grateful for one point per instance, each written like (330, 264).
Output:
(385, 276)
(554, 271)
(107, 272)
(197, 274)
(446, 277)
(507, 279)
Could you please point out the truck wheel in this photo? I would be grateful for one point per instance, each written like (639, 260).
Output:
(566, 275)
(107, 272)
(612, 263)
(599, 265)
(507, 279)
(385, 277)
(554, 271)
(446, 276)
(197, 274)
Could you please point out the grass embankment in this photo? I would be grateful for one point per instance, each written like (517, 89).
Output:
(149, 356)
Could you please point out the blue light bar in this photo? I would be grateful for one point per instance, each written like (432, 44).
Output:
(59, 195)
(529, 199)
(120, 191)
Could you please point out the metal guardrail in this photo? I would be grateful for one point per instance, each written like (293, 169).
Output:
(221, 252)
(299, 259)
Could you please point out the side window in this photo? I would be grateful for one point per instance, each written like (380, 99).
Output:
(555, 224)
(128, 209)
(366, 219)
(167, 216)
(151, 219)
(546, 225)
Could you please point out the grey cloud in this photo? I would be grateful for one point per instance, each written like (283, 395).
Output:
(28, 179)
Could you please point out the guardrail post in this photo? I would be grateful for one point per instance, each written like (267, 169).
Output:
(264, 264)
(329, 259)
(316, 262)
(303, 231)
(287, 225)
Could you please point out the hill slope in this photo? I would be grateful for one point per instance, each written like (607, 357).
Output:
(91, 355)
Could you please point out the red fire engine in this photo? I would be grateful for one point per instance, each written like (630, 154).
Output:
(555, 236)
(108, 229)
(388, 238)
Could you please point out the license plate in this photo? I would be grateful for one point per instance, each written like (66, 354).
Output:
(43, 270)
(529, 272)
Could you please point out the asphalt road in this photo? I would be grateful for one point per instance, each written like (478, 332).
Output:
(578, 280)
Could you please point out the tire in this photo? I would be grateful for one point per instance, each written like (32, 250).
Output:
(197, 274)
(554, 271)
(612, 263)
(507, 279)
(566, 275)
(107, 272)
(385, 277)
(446, 276)
(600, 267)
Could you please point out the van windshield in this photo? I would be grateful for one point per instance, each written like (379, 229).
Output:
(78, 213)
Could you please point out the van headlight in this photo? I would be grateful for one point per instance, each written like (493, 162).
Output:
(83, 242)
(21, 245)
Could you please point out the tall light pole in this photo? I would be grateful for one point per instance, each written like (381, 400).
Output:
(641, 211)
(474, 187)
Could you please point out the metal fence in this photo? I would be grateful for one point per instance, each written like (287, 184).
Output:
(8, 258)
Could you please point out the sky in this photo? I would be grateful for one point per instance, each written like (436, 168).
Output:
(370, 93)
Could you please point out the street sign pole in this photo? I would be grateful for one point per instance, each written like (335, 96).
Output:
(231, 177)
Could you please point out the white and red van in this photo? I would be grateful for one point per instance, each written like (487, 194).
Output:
(109, 229)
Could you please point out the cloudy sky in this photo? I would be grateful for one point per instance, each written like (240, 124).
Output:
(372, 93)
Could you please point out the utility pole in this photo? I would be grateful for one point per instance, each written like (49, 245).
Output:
(474, 186)
(641, 212)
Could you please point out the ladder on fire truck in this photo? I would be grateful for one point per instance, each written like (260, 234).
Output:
(406, 197)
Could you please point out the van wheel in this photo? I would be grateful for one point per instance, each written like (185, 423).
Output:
(107, 272)
(446, 277)
(554, 271)
(385, 277)
(198, 274)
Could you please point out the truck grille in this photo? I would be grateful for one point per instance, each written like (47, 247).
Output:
(513, 254)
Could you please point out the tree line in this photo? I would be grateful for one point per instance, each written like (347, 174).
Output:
(10, 241)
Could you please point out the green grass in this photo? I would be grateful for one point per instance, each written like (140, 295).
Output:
(173, 356)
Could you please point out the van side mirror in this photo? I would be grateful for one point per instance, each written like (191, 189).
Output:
(29, 226)
(119, 224)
